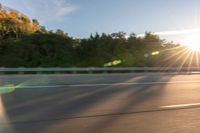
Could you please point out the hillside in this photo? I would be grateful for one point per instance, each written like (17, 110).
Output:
(24, 43)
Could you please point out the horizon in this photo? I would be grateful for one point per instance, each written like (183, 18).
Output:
(171, 20)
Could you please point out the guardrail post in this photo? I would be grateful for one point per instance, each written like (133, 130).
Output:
(21, 72)
(89, 71)
(146, 70)
(57, 72)
(2, 72)
(39, 72)
(105, 71)
(74, 72)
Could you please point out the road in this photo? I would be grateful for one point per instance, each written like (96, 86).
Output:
(101, 103)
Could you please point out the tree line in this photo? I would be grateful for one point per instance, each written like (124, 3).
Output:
(24, 43)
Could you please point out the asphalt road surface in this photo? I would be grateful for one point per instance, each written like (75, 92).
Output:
(100, 103)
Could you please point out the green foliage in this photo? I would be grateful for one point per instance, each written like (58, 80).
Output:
(58, 50)
(24, 43)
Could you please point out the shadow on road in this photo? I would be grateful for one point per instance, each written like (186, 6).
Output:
(27, 107)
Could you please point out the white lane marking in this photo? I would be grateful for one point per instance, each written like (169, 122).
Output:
(53, 86)
(181, 105)
(110, 84)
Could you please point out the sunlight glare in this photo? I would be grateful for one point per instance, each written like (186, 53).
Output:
(4, 119)
(192, 42)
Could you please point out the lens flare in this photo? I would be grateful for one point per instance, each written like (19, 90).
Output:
(7, 89)
(192, 42)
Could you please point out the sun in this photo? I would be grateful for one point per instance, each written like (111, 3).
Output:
(192, 42)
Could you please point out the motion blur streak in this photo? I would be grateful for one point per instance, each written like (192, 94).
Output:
(1, 109)
(4, 122)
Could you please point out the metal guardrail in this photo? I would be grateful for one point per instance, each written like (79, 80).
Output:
(101, 69)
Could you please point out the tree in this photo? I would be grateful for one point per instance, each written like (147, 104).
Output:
(24, 42)
(119, 35)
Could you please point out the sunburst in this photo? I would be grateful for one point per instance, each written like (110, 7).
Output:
(192, 42)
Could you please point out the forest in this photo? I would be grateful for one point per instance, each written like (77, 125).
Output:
(25, 43)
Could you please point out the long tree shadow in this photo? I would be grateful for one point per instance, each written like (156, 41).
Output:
(138, 97)
(70, 102)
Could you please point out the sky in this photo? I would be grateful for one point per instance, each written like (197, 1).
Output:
(172, 19)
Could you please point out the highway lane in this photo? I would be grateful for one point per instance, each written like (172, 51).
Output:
(101, 103)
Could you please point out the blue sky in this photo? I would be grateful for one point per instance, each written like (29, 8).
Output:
(80, 18)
